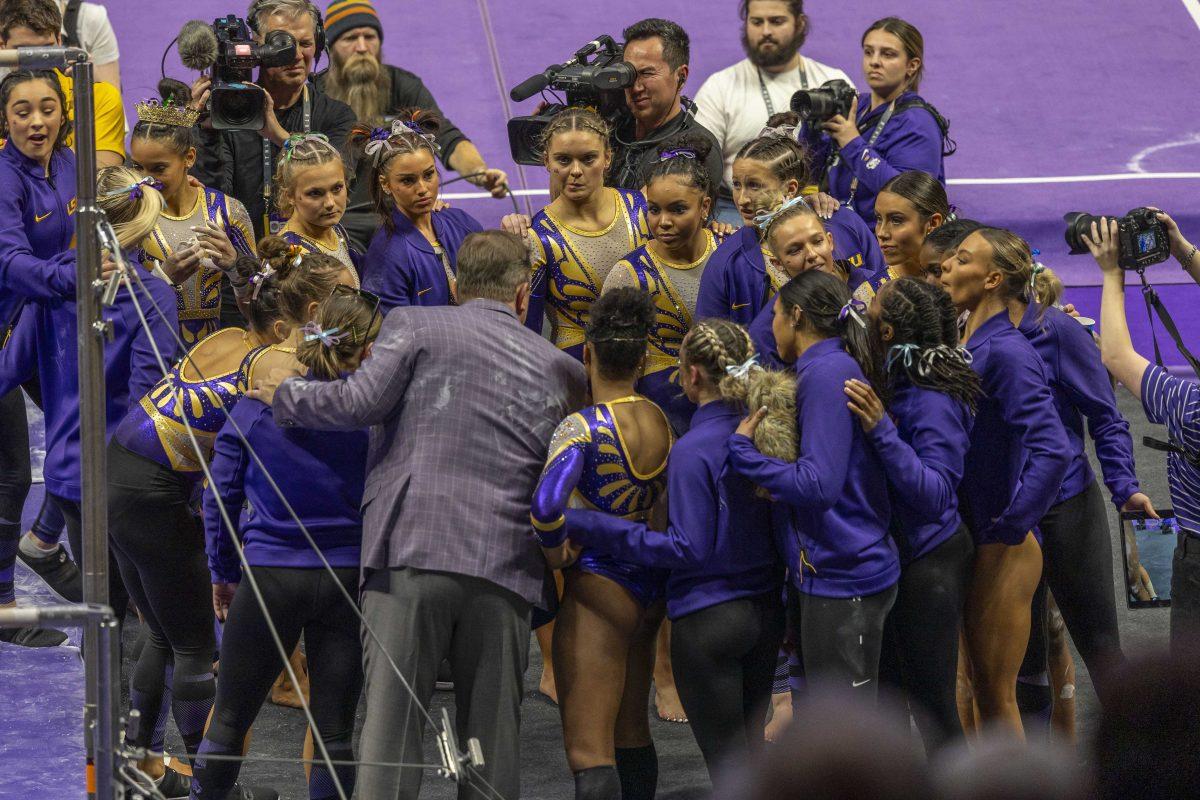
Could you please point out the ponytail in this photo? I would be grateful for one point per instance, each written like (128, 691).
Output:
(830, 311)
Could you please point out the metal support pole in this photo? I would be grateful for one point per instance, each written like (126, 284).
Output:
(91, 332)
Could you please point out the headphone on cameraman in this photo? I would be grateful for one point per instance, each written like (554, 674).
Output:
(318, 27)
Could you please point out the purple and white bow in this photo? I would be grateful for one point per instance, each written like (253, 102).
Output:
(328, 337)
(259, 278)
(854, 309)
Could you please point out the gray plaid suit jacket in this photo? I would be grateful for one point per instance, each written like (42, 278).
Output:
(462, 401)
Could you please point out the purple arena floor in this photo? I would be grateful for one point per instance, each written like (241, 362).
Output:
(1071, 105)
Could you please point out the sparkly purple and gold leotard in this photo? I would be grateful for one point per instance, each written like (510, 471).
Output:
(590, 467)
(156, 427)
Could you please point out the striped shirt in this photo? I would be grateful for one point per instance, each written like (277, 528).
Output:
(1175, 402)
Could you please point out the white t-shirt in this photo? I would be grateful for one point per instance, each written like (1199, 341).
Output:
(95, 32)
(730, 103)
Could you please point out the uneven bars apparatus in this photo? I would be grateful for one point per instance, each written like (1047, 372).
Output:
(100, 642)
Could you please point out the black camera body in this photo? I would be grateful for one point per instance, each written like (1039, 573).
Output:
(1142, 238)
(235, 105)
(599, 83)
(825, 102)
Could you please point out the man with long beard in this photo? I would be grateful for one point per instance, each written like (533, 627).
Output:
(735, 103)
(375, 91)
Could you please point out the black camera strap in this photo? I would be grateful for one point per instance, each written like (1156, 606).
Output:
(1154, 305)
(268, 167)
(766, 96)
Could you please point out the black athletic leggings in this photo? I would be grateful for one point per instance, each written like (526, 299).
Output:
(838, 639)
(723, 657)
(159, 545)
(299, 601)
(15, 480)
(118, 595)
(1077, 553)
(920, 639)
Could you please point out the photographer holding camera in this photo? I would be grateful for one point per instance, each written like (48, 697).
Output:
(240, 163)
(1166, 399)
(656, 109)
(868, 140)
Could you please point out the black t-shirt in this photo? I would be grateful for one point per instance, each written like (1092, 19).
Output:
(408, 91)
(632, 158)
(232, 161)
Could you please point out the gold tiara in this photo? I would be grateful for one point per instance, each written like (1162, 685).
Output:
(159, 114)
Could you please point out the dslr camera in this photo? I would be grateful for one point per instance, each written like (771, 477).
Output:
(234, 105)
(599, 82)
(1141, 237)
(825, 102)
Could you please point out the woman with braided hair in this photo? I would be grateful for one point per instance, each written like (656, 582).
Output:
(153, 472)
(586, 229)
(930, 393)
(412, 258)
(833, 495)
(724, 594)
(311, 193)
(679, 199)
(768, 171)
(1018, 456)
(610, 457)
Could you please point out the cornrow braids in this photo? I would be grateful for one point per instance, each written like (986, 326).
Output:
(575, 118)
(785, 157)
(300, 152)
(924, 345)
(413, 130)
(723, 351)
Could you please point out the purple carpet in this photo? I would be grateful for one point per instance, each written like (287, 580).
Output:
(1070, 105)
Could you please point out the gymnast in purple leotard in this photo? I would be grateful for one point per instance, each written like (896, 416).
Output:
(610, 457)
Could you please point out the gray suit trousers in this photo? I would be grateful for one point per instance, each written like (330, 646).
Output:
(421, 618)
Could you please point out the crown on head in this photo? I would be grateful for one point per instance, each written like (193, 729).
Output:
(166, 114)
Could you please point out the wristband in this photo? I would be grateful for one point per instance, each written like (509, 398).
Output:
(1186, 262)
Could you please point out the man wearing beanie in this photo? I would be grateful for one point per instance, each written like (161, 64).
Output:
(376, 91)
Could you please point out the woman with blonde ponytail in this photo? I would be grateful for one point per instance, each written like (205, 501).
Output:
(723, 594)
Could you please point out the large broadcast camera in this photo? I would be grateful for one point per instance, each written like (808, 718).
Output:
(228, 47)
(1141, 237)
(599, 83)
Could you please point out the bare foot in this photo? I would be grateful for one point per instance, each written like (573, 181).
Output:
(781, 716)
(668, 704)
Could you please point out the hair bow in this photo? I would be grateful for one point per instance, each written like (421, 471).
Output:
(134, 190)
(378, 143)
(328, 337)
(1037, 269)
(743, 370)
(786, 131)
(903, 353)
(289, 146)
(259, 278)
(764, 220)
(953, 215)
(680, 152)
(854, 309)
(297, 253)
(408, 127)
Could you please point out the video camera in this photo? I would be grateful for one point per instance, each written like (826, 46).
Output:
(825, 102)
(234, 104)
(1141, 237)
(599, 83)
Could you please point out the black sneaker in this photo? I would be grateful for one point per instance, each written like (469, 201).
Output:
(32, 637)
(252, 793)
(58, 571)
(174, 785)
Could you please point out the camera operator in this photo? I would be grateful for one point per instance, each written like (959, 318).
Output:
(233, 160)
(656, 109)
(1167, 400)
(735, 103)
(37, 23)
(892, 131)
(376, 92)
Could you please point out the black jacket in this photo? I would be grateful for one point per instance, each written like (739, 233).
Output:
(632, 158)
(408, 91)
(232, 161)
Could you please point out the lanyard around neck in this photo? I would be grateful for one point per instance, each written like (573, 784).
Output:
(766, 96)
(883, 120)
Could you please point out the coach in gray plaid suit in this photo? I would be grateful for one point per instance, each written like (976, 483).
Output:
(464, 401)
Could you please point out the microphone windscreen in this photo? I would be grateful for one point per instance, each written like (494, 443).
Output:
(197, 45)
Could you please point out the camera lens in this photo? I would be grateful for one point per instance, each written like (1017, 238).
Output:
(1079, 224)
(812, 104)
(238, 108)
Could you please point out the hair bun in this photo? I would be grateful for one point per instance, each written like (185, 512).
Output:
(688, 140)
(783, 119)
